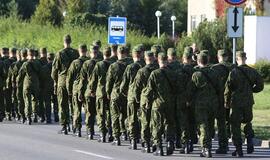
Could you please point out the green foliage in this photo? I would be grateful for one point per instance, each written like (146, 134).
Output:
(76, 7)
(84, 19)
(165, 41)
(4, 10)
(48, 12)
(263, 67)
(20, 34)
(184, 42)
(26, 8)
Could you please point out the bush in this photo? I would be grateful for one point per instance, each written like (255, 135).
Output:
(184, 42)
(21, 34)
(263, 67)
(165, 41)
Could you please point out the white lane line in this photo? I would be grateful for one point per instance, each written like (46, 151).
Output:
(93, 154)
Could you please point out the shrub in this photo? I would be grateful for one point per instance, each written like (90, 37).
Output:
(165, 41)
(263, 67)
(184, 42)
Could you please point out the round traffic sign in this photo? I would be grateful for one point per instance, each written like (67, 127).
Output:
(235, 2)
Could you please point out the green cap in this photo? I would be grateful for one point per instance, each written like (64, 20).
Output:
(202, 55)
(13, 50)
(51, 56)
(107, 49)
(162, 56)
(222, 53)
(23, 52)
(43, 50)
(205, 52)
(171, 52)
(83, 46)
(141, 46)
(94, 48)
(137, 49)
(156, 49)
(188, 52)
(241, 54)
(121, 49)
(5, 49)
(97, 43)
(149, 54)
(67, 38)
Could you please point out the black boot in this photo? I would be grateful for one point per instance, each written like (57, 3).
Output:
(68, 128)
(116, 142)
(221, 150)
(146, 147)
(42, 120)
(206, 153)
(250, 146)
(186, 148)
(79, 133)
(56, 118)
(63, 130)
(110, 138)
(133, 144)
(102, 138)
(154, 148)
(35, 118)
(170, 148)
(29, 121)
(191, 148)
(178, 143)
(159, 151)
(124, 136)
(238, 152)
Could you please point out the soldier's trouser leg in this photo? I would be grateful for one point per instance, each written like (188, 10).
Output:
(8, 101)
(145, 124)
(184, 124)
(15, 102)
(133, 121)
(48, 107)
(2, 109)
(157, 122)
(169, 119)
(108, 118)
(204, 119)
(77, 112)
(115, 117)
(228, 122)
(193, 128)
(20, 102)
(62, 96)
(90, 114)
(241, 115)
(31, 102)
(102, 106)
(71, 108)
(222, 132)
(123, 114)
(55, 105)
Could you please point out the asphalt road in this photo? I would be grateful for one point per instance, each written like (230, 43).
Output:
(41, 142)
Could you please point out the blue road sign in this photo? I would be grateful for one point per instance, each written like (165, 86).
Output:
(117, 30)
(235, 2)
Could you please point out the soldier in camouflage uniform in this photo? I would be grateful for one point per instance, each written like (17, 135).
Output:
(114, 53)
(2, 83)
(29, 73)
(126, 88)
(47, 88)
(19, 84)
(97, 89)
(60, 67)
(85, 93)
(73, 80)
(8, 87)
(139, 85)
(223, 68)
(205, 96)
(97, 43)
(242, 82)
(161, 87)
(118, 102)
(188, 122)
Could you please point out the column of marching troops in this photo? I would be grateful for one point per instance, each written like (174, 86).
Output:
(148, 97)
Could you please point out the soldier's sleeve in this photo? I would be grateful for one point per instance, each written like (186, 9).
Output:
(259, 83)
(125, 83)
(228, 89)
(55, 68)
(110, 79)
(191, 87)
(149, 91)
(138, 85)
(70, 77)
(9, 77)
(83, 78)
(21, 75)
(94, 79)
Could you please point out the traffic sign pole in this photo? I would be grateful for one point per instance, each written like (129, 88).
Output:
(234, 50)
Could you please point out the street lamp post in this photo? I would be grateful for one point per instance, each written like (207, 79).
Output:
(173, 18)
(158, 15)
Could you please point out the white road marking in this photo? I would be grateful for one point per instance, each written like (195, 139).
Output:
(93, 154)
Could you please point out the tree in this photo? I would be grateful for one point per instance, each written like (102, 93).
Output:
(26, 8)
(4, 11)
(75, 7)
(48, 12)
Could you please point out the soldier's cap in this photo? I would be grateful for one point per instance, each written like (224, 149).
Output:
(94, 48)
(83, 46)
(141, 46)
(32, 51)
(51, 56)
(106, 49)
(156, 49)
(241, 54)
(202, 55)
(121, 49)
(149, 54)
(13, 50)
(5, 49)
(188, 52)
(67, 38)
(162, 55)
(43, 50)
(171, 52)
(222, 53)
(97, 43)
(23, 52)
(137, 49)
(204, 51)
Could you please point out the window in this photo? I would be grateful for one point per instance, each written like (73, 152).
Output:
(193, 23)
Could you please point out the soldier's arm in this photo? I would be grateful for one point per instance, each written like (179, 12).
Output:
(83, 79)
(125, 83)
(259, 84)
(228, 90)
(70, 78)
(21, 75)
(94, 79)
(9, 77)
(55, 68)
(149, 91)
(110, 81)
(138, 85)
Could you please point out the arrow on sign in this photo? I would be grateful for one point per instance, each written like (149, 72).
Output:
(235, 27)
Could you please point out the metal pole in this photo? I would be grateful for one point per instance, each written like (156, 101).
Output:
(158, 29)
(173, 29)
(234, 50)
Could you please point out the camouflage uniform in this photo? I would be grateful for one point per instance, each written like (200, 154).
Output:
(72, 83)
(60, 67)
(41, 109)
(118, 102)
(2, 83)
(242, 82)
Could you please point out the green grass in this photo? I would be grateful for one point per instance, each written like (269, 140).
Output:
(261, 117)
